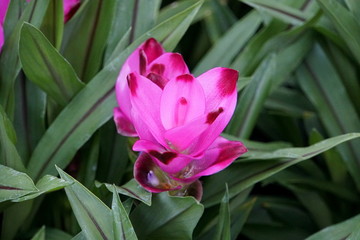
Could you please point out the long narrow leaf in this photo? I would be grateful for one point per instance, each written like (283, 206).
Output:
(46, 67)
(345, 23)
(9, 60)
(87, 37)
(167, 218)
(93, 216)
(123, 229)
(8, 153)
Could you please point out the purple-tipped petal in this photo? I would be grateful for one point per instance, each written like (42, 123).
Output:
(145, 100)
(219, 156)
(169, 66)
(150, 177)
(70, 8)
(194, 189)
(182, 101)
(168, 161)
(144, 54)
(124, 125)
(152, 49)
(3, 9)
(219, 85)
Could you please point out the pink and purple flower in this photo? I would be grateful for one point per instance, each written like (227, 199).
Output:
(177, 117)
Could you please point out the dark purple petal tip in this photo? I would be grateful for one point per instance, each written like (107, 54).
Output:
(151, 177)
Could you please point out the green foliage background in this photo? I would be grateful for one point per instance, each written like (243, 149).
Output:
(66, 174)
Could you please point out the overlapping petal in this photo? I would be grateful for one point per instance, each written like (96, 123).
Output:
(217, 157)
(145, 99)
(169, 161)
(148, 174)
(177, 117)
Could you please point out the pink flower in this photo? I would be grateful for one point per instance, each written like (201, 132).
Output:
(177, 117)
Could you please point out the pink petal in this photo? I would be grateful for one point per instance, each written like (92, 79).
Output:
(141, 127)
(188, 138)
(148, 50)
(219, 86)
(182, 101)
(70, 8)
(152, 49)
(168, 161)
(4, 4)
(145, 100)
(219, 156)
(1, 37)
(183, 138)
(169, 66)
(123, 98)
(124, 125)
(150, 177)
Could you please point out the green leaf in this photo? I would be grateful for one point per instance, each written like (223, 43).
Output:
(53, 23)
(43, 65)
(239, 217)
(223, 52)
(179, 6)
(93, 106)
(167, 218)
(80, 236)
(93, 216)
(338, 231)
(29, 119)
(86, 37)
(123, 229)
(345, 23)
(40, 235)
(14, 184)
(144, 13)
(56, 234)
(9, 60)
(131, 189)
(8, 153)
(223, 228)
(45, 185)
(279, 10)
(242, 175)
(252, 99)
(114, 155)
(336, 118)
(354, 7)
(218, 19)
